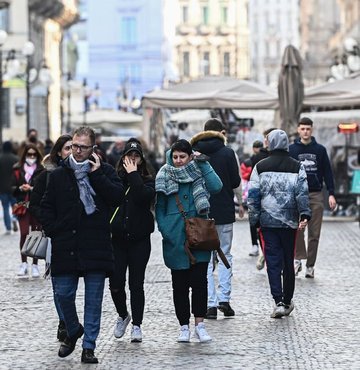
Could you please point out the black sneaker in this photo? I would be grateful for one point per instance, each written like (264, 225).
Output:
(61, 332)
(226, 309)
(211, 313)
(67, 347)
(88, 357)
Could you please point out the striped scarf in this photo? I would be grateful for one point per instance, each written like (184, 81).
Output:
(169, 178)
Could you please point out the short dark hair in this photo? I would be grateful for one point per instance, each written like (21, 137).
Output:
(305, 121)
(214, 124)
(267, 132)
(86, 131)
(258, 144)
(181, 145)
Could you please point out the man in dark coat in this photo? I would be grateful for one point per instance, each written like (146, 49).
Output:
(76, 214)
(7, 161)
(212, 142)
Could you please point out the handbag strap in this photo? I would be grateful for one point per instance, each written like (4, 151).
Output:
(117, 208)
(180, 206)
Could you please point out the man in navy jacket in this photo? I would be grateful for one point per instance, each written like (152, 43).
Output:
(212, 142)
(318, 169)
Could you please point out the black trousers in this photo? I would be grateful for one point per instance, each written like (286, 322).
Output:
(132, 255)
(182, 280)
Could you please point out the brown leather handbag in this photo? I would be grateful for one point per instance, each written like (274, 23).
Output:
(201, 234)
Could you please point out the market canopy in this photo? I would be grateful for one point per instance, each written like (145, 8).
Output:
(213, 92)
(341, 93)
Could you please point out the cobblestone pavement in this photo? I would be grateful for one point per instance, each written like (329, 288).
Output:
(321, 333)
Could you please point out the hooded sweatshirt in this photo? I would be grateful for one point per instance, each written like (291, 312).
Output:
(316, 163)
(278, 191)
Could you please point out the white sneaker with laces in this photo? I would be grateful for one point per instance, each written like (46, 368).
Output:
(289, 308)
(121, 325)
(184, 336)
(35, 273)
(201, 333)
(254, 251)
(310, 271)
(136, 334)
(23, 271)
(297, 267)
(279, 311)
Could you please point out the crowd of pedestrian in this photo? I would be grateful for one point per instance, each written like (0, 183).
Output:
(99, 209)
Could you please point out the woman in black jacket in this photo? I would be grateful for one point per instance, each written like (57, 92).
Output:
(60, 151)
(132, 223)
(24, 173)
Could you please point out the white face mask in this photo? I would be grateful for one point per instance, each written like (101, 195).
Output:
(30, 161)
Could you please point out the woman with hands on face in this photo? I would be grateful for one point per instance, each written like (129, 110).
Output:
(131, 225)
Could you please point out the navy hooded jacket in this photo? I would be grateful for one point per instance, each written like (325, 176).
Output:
(316, 163)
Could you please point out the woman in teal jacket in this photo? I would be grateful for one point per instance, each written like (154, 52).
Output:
(192, 178)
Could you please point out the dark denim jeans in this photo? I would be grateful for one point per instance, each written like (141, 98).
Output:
(7, 200)
(65, 289)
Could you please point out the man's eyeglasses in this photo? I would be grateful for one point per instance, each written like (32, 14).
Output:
(82, 148)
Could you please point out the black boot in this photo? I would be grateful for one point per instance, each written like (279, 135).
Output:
(226, 309)
(61, 332)
(88, 356)
(68, 346)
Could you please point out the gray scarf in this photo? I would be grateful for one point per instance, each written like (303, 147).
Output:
(81, 170)
(169, 177)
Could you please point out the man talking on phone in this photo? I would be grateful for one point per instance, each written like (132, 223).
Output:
(75, 215)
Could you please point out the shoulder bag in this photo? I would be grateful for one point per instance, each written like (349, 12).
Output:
(201, 234)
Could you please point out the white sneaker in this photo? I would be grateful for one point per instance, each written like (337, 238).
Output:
(201, 333)
(35, 273)
(279, 311)
(310, 271)
(297, 267)
(8, 232)
(289, 308)
(184, 336)
(23, 271)
(121, 325)
(136, 334)
(254, 251)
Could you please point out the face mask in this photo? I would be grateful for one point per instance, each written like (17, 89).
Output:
(30, 161)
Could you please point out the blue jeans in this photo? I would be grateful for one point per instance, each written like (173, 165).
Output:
(65, 289)
(225, 233)
(7, 200)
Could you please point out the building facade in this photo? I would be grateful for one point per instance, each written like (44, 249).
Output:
(30, 99)
(273, 24)
(209, 38)
(319, 20)
(148, 44)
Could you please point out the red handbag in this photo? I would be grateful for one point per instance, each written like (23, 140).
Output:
(20, 208)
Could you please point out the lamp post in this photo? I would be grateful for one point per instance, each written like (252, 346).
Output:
(68, 87)
(28, 51)
(3, 37)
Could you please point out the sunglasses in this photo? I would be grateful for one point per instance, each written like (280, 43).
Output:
(29, 154)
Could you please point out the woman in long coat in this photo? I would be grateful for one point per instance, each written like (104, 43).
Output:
(193, 181)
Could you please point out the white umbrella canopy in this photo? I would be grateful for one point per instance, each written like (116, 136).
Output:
(213, 92)
(341, 93)
(290, 89)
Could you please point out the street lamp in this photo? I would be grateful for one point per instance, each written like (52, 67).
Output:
(3, 37)
(28, 51)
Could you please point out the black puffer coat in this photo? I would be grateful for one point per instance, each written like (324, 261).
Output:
(80, 242)
(134, 220)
